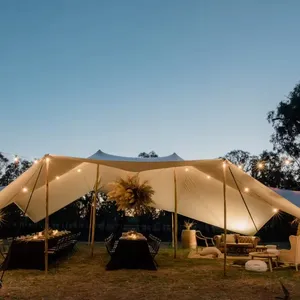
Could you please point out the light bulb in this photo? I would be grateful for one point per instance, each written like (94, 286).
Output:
(260, 165)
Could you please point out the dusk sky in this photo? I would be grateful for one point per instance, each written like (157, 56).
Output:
(192, 77)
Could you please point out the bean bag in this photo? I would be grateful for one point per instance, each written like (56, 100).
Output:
(256, 266)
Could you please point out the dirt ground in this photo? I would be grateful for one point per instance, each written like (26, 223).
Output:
(82, 277)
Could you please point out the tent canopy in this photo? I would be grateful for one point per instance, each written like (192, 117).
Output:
(199, 188)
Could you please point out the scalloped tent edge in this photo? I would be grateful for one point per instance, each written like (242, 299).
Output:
(199, 188)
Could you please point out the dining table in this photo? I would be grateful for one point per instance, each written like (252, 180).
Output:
(131, 253)
(29, 252)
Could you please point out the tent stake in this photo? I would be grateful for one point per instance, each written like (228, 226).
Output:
(94, 211)
(175, 216)
(47, 214)
(225, 215)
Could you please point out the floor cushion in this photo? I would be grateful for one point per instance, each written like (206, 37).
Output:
(256, 265)
(211, 251)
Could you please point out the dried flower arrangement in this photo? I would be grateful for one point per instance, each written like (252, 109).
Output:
(188, 225)
(131, 196)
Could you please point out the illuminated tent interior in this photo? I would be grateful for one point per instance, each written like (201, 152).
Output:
(199, 188)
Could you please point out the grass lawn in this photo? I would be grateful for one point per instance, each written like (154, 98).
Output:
(82, 277)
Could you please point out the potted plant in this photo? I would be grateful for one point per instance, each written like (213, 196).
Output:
(188, 236)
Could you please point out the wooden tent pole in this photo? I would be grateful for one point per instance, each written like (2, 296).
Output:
(90, 223)
(225, 214)
(94, 211)
(175, 215)
(47, 214)
(172, 230)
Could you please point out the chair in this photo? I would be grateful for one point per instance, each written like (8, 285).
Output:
(200, 236)
(154, 245)
(291, 256)
(110, 244)
(3, 250)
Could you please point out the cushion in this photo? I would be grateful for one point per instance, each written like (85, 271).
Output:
(256, 266)
(245, 239)
(230, 238)
(211, 251)
(249, 245)
(273, 251)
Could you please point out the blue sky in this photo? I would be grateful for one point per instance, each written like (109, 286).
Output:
(192, 77)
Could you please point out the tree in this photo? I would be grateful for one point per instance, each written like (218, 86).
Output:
(286, 123)
(147, 155)
(240, 158)
(13, 170)
(3, 163)
(267, 167)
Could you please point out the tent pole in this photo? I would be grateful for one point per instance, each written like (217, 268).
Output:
(225, 214)
(172, 214)
(94, 211)
(90, 223)
(175, 216)
(47, 215)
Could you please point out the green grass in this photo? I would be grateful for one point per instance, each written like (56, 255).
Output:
(82, 277)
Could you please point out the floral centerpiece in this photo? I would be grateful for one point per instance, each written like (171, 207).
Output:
(131, 196)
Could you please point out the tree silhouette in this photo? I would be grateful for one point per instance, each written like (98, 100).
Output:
(148, 155)
(286, 123)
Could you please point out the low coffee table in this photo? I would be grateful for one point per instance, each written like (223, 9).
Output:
(265, 255)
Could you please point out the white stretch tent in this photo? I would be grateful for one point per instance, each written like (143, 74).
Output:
(199, 185)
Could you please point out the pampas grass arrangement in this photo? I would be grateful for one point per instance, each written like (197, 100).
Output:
(132, 196)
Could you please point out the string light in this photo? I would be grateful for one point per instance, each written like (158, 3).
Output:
(47, 159)
(208, 177)
(24, 189)
(275, 210)
(246, 190)
(224, 164)
(78, 170)
(57, 177)
(287, 162)
(240, 167)
(36, 161)
(260, 166)
(16, 159)
(186, 169)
